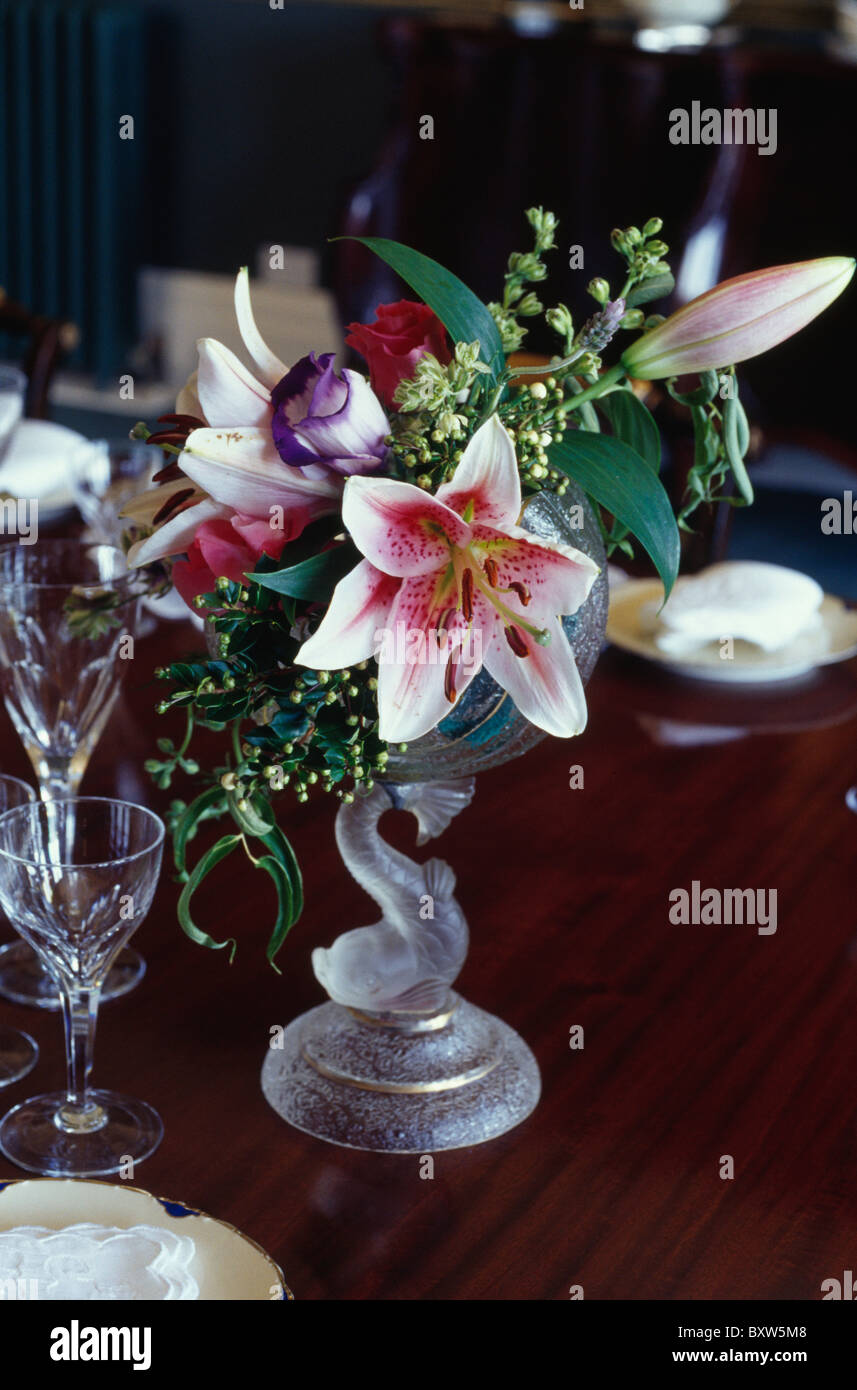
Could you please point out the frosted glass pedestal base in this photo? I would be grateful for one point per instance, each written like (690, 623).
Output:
(401, 1083)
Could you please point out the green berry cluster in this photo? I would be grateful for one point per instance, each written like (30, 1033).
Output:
(529, 416)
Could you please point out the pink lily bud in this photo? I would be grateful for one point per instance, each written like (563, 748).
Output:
(738, 319)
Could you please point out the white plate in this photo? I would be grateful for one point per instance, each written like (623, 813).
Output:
(631, 625)
(226, 1264)
(37, 465)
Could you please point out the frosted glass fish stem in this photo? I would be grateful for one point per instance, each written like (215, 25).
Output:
(80, 1114)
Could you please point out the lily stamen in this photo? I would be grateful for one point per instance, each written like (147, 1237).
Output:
(538, 634)
(449, 682)
(467, 595)
(516, 641)
(172, 505)
(516, 587)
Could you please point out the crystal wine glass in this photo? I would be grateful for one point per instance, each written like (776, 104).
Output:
(78, 876)
(104, 476)
(59, 686)
(18, 1052)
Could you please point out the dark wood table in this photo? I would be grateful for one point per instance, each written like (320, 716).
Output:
(700, 1041)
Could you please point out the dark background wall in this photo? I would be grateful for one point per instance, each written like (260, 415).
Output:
(270, 158)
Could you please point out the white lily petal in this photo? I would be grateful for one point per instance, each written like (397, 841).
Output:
(400, 528)
(242, 469)
(558, 577)
(270, 368)
(144, 507)
(358, 610)
(414, 682)
(229, 394)
(486, 480)
(545, 684)
(187, 401)
(174, 537)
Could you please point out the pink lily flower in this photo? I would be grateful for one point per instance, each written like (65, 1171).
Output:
(457, 563)
(739, 319)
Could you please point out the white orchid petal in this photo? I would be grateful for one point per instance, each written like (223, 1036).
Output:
(270, 368)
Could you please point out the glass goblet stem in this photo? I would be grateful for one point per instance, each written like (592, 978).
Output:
(80, 1114)
(58, 777)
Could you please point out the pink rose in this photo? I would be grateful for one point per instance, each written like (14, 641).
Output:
(228, 546)
(395, 342)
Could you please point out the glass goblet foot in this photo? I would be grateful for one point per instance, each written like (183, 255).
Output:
(24, 980)
(19, 1053)
(43, 1136)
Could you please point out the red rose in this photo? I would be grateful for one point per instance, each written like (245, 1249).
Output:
(395, 342)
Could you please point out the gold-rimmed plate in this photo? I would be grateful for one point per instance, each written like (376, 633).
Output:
(226, 1264)
(632, 624)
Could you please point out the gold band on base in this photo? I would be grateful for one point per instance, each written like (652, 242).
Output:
(402, 1088)
(432, 1024)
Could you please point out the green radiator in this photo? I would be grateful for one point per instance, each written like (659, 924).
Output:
(72, 196)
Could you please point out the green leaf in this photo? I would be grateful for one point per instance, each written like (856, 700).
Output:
(290, 723)
(633, 424)
(281, 848)
(186, 826)
(733, 450)
(658, 287)
(457, 307)
(289, 884)
(619, 480)
(285, 907)
(257, 819)
(314, 579)
(701, 395)
(209, 861)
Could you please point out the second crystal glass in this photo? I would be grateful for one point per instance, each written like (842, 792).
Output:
(18, 1051)
(59, 686)
(77, 877)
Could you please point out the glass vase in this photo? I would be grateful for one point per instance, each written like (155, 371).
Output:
(397, 1061)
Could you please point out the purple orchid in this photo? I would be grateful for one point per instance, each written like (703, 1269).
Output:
(323, 418)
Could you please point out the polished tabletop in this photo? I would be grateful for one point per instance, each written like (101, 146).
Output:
(700, 1042)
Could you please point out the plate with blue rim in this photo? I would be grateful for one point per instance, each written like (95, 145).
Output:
(225, 1264)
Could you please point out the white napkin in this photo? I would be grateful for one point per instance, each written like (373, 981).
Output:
(750, 600)
(37, 463)
(100, 1263)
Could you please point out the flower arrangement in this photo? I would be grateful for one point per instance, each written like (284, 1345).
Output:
(312, 515)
